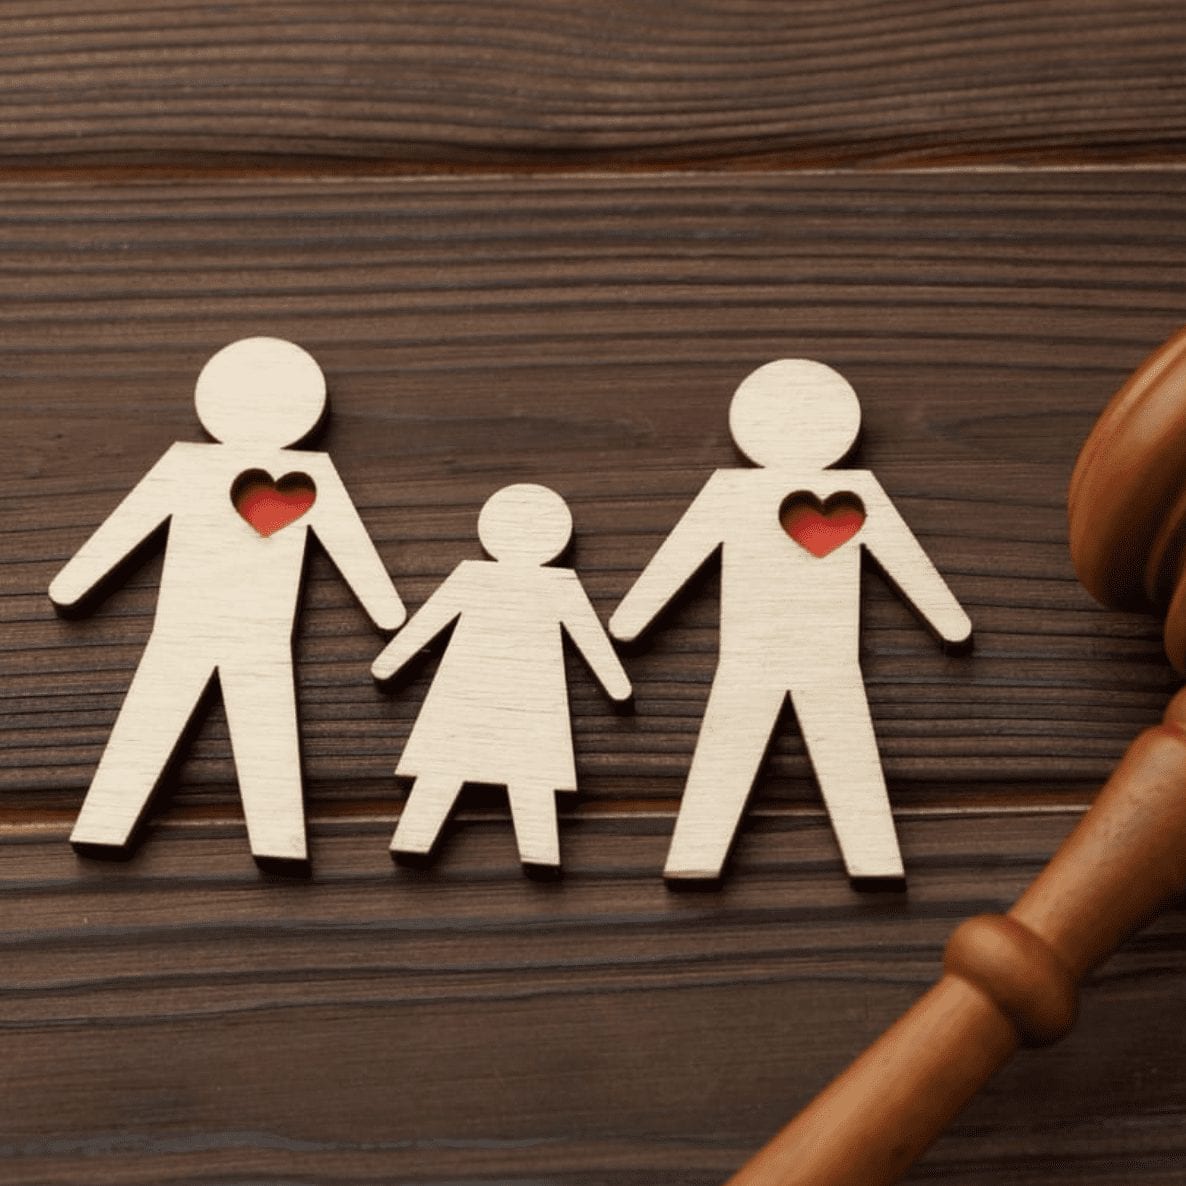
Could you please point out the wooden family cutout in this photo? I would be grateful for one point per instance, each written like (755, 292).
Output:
(497, 711)
(790, 530)
(229, 592)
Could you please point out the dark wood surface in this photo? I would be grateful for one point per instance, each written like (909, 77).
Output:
(535, 83)
(177, 1020)
(180, 1018)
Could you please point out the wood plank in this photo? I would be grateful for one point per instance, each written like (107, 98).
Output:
(174, 1019)
(588, 334)
(539, 85)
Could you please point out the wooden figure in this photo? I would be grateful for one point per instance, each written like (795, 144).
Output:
(239, 514)
(790, 532)
(1013, 979)
(497, 711)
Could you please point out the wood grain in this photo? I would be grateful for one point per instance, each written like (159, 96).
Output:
(295, 83)
(465, 1024)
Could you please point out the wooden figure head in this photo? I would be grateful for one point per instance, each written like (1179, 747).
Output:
(795, 413)
(525, 524)
(1127, 500)
(261, 392)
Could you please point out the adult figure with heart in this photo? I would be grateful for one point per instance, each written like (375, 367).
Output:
(239, 513)
(790, 531)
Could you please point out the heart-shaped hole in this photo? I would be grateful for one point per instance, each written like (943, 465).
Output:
(271, 505)
(820, 527)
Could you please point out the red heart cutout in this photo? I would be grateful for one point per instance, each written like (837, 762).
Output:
(821, 527)
(267, 505)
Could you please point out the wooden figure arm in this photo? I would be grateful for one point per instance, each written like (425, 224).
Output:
(1008, 980)
(692, 541)
(910, 570)
(344, 536)
(583, 626)
(434, 616)
(146, 506)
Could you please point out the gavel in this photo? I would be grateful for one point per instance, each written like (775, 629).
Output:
(1013, 979)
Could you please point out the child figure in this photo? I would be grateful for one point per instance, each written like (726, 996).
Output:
(497, 711)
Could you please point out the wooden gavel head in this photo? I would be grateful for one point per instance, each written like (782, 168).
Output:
(1127, 500)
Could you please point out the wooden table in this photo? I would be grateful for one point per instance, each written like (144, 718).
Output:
(544, 242)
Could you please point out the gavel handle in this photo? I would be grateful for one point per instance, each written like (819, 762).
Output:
(1008, 980)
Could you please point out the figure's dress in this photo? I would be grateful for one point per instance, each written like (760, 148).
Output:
(499, 703)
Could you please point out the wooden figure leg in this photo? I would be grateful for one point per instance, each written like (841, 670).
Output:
(427, 807)
(738, 722)
(533, 808)
(160, 702)
(838, 733)
(262, 721)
